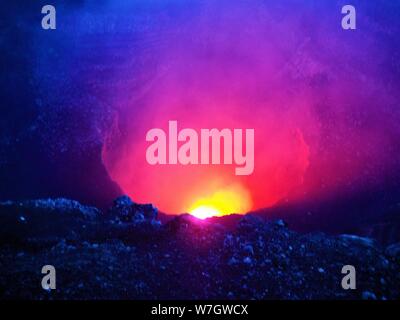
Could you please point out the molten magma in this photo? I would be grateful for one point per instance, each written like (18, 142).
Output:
(232, 199)
(204, 212)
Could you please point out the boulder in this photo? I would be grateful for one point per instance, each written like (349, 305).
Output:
(126, 211)
(393, 250)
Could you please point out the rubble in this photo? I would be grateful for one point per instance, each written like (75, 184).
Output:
(126, 253)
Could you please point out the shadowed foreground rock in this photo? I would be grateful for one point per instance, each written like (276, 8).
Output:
(126, 253)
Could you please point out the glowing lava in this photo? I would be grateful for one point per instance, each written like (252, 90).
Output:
(204, 212)
(231, 199)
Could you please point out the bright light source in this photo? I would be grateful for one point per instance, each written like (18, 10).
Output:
(223, 201)
(204, 212)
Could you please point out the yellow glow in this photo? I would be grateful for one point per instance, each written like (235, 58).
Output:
(204, 212)
(231, 199)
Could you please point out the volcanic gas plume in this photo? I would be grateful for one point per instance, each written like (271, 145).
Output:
(307, 89)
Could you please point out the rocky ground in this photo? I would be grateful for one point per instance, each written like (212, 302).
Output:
(126, 253)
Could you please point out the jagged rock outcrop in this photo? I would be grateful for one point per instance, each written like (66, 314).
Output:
(125, 210)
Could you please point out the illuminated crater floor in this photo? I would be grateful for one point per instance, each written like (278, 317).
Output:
(126, 253)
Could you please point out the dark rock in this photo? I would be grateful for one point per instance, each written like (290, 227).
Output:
(280, 223)
(249, 249)
(125, 210)
(362, 241)
(250, 223)
(122, 208)
(45, 219)
(393, 250)
(366, 295)
(247, 260)
(233, 261)
(129, 254)
(129, 221)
